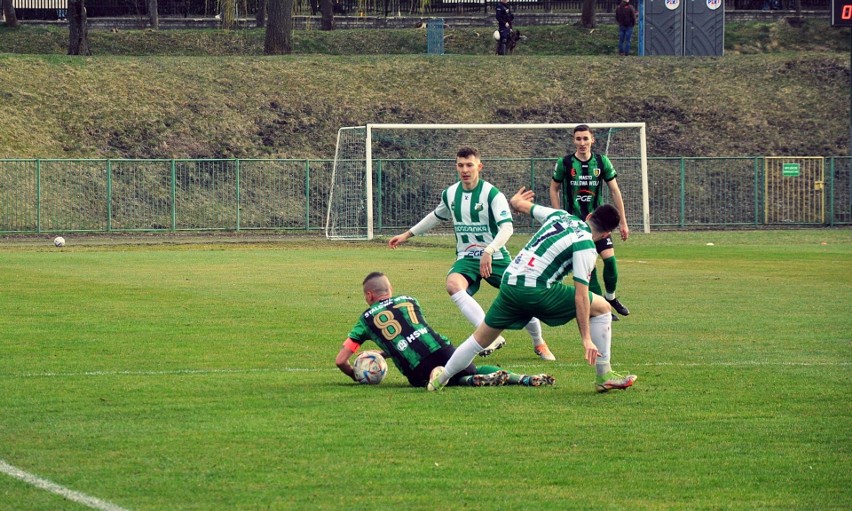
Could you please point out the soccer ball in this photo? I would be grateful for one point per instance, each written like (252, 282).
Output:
(59, 241)
(370, 368)
(496, 35)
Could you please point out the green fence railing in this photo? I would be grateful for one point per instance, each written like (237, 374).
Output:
(100, 195)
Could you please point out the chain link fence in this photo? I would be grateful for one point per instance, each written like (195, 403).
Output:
(51, 195)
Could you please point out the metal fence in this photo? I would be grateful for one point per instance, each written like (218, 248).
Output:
(47, 195)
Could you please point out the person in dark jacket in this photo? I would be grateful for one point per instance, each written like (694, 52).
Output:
(625, 15)
(504, 24)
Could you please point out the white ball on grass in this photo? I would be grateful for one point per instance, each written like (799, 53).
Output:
(370, 368)
(59, 241)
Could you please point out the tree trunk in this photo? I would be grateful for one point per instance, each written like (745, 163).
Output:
(260, 16)
(227, 13)
(279, 28)
(9, 13)
(153, 15)
(78, 28)
(327, 10)
(587, 17)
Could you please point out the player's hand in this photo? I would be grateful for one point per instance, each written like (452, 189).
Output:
(485, 265)
(398, 240)
(625, 232)
(522, 195)
(592, 353)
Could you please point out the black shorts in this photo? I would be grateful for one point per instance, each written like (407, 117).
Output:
(420, 376)
(604, 244)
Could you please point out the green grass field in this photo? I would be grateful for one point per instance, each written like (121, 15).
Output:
(200, 376)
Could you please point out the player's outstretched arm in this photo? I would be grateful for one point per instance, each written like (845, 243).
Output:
(522, 200)
(429, 221)
(399, 239)
(342, 362)
(584, 308)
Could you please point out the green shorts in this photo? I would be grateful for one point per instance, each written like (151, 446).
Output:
(468, 267)
(515, 306)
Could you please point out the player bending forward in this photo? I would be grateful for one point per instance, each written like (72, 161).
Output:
(532, 286)
(396, 324)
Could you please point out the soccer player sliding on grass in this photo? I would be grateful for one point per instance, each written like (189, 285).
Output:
(396, 324)
(532, 287)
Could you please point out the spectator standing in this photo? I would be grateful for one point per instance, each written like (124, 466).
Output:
(504, 24)
(625, 15)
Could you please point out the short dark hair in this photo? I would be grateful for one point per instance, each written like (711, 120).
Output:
(582, 127)
(467, 152)
(605, 218)
(371, 276)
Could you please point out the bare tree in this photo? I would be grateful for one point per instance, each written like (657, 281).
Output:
(260, 16)
(153, 15)
(587, 16)
(327, 11)
(9, 13)
(78, 28)
(279, 28)
(228, 13)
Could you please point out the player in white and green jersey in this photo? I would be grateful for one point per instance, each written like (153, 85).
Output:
(482, 221)
(396, 324)
(532, 287)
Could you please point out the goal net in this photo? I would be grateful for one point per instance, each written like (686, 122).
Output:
(386, 177)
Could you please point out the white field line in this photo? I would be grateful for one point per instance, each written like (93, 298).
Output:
(62, 491)
(178, 372)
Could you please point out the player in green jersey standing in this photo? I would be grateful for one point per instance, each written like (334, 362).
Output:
(482, 222)
(532, 286)
(396, 324)
(579, 179)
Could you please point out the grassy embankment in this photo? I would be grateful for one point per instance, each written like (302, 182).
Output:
(212, 93)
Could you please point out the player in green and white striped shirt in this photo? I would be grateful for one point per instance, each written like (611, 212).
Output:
(532, 287)
(482, 221)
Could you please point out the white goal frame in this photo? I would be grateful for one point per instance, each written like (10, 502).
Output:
(368, 159)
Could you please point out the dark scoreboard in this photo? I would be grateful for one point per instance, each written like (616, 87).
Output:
(841, 13)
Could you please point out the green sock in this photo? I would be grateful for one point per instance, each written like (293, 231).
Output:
(514, 379)
(594, 285)
(487, 369)
(610, 275)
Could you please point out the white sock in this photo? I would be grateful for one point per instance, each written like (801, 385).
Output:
(462, 358)
(609, 296)
(534, 329)
(469, 307)
(601, 330)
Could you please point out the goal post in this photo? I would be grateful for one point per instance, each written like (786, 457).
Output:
(386, 177)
